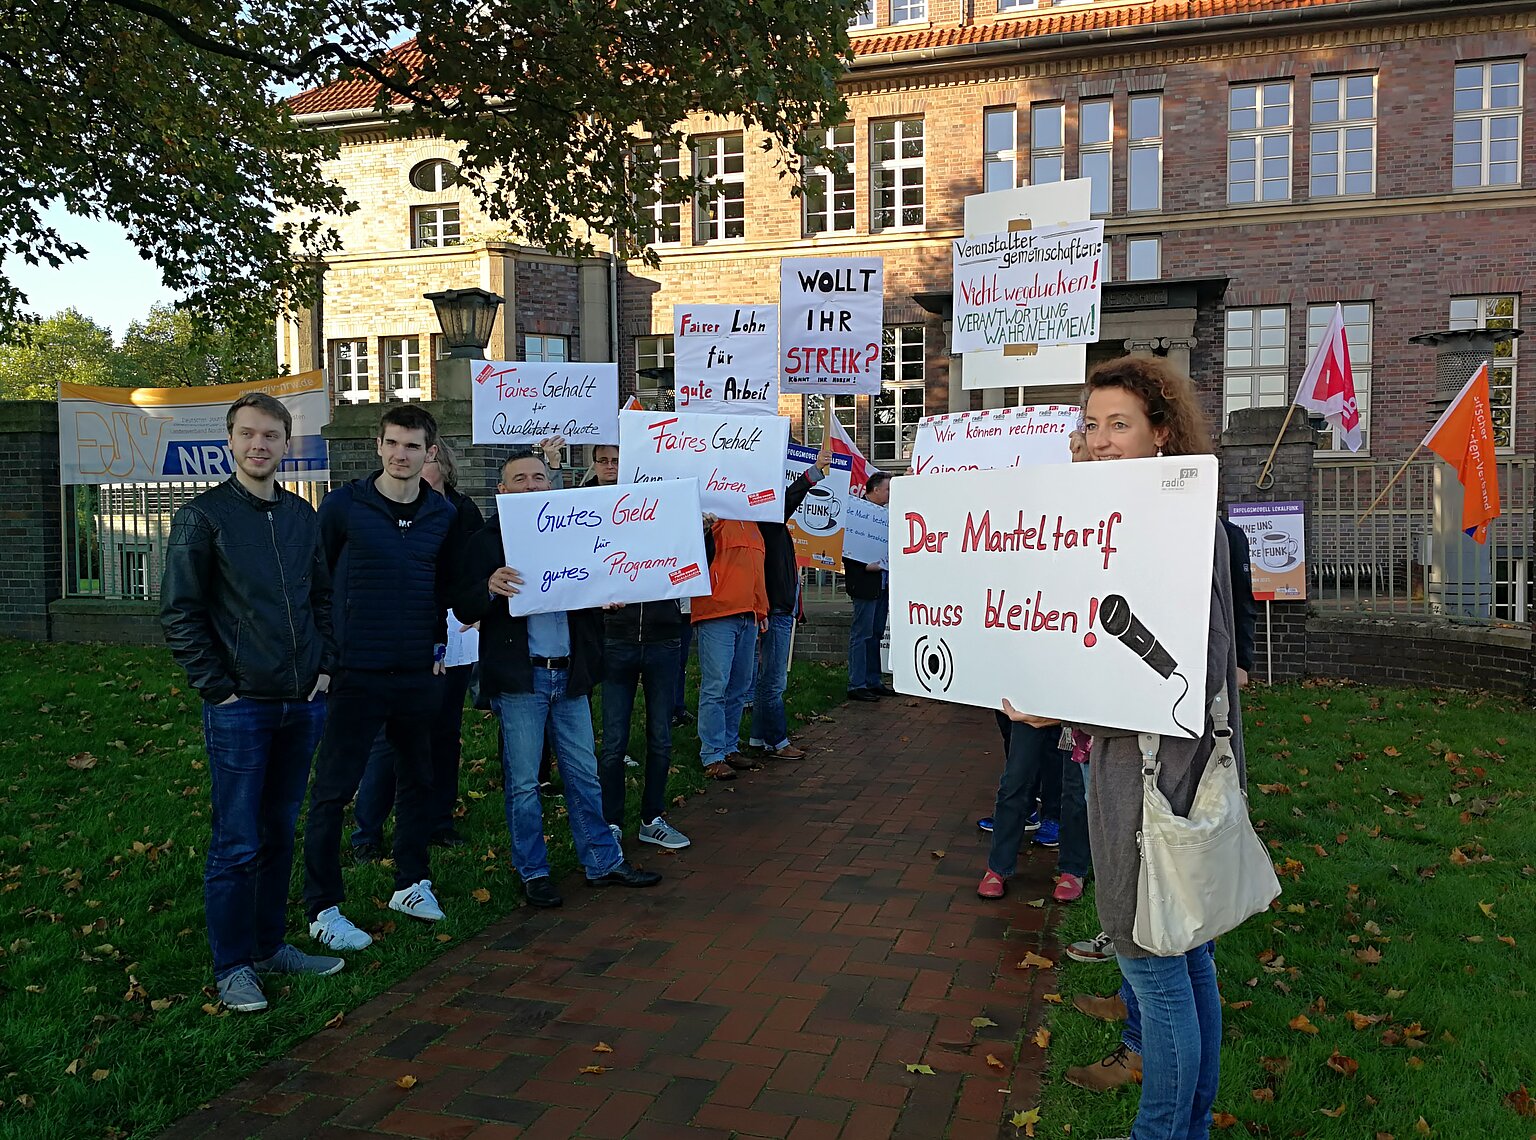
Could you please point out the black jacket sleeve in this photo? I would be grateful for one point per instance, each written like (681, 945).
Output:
(184, 613)
(320, 603)
(471, 596)
(796, 494)
(1242, 595)
(333, 524)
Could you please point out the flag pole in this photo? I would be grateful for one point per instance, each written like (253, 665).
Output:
(1266, 479)
(1377, 501)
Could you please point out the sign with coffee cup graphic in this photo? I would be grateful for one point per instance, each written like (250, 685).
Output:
(1277, 548)
(817, 527)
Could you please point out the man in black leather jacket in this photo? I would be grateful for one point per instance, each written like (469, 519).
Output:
(246, 608)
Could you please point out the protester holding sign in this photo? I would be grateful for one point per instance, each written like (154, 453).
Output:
(726, 624)
(866, 584)
(1135, 408)
(537, 671)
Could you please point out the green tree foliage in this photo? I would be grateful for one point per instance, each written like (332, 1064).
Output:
(164, 116)
(67, 346)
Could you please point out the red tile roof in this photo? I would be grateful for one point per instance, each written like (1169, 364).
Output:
(361, 92)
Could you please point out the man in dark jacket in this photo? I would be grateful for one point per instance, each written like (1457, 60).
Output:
(246, 608)
(866, 585)
(770, 723)
(537, 671)
(388, 540)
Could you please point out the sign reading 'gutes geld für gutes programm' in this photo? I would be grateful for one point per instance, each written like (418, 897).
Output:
(527, 403)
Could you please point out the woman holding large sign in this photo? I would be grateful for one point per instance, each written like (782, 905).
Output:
(1137, 408)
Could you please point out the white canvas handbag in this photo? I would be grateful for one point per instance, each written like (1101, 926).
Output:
(1204, 875)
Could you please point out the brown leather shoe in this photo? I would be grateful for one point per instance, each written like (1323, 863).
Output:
(788, 752)
(1122, 1067)
(1101, 1008)
(719, 770)
(741, 763)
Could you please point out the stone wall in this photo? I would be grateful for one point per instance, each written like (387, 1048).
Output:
(1399, 651)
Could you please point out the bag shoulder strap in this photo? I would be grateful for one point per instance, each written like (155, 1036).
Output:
(1151, 742)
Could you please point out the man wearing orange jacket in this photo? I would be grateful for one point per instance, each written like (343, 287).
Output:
(725, 626)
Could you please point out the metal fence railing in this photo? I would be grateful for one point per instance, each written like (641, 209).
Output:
(1399, 561)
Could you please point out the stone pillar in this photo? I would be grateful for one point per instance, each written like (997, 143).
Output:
(1280, 627)
(32, 573)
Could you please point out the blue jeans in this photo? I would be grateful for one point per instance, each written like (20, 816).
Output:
(258, 756)
(770, 723)
(727, 649)
(1074, 856)
(626, 666)
(864, 641)
(1033, 761)
(1181, 1032)
(523, 719)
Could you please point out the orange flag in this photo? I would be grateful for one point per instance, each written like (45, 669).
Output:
(1463, 437)
(633, 404)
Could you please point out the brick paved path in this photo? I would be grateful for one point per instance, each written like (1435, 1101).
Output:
(805, 949)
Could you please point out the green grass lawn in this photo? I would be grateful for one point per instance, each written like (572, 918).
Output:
(105, 979)
(1404, 828)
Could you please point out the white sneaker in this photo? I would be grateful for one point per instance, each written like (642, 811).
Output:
(630, 761)
(618, 834)
(333, 929)
(418, 901)
(663, 834)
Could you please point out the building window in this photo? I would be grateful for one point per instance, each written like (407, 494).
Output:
(999, 135)
(1143, 258)
(1095, 140)
(1489, 99)
(895, 413)
(1046, 148)
(653, 371)
(434, 175)
(1145, 189)
(1255, 361)
(546, 349)
(721, 211)
(1016, 5)
(896, 156)
(1357, 332)
(663, 219)
(863, 16)
(133, 567)
(828, 193)
(1500, 311)
(433, 226)
(402, 367)
(349, 370)
(908, 11)
(1259, 142)
(1343, 135)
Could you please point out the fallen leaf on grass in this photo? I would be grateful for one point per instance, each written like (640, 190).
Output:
(1520, 1102)
(602, 1047)
(1507, 939)
(1042, 1037)
(1025, 1119)
(1394, 995)
(1422, 1127)
(1335, 1113)
(1302, 1024)
(81, 761)
(405, 1082)
(982, 1023)
(926, 1070)
(1223, 1120)
(1031, 959)
(1487, 909)
(1054, 999)
(1344, 1066)
(1370, 956)
(211, 1009)
(101, 1074)
(480, 895)
(445, 938)
(74, 1067)
(336, 1021)
(1276, 1066)
(993, 1062)
(160, 1005)
(595, 1069)
(1264, 1096)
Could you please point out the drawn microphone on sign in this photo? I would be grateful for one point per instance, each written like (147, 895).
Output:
(1116, 618)
(933, 664)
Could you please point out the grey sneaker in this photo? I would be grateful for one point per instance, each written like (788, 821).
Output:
(663, 834)
(241, 991)
(1099, 948)
(292, 960)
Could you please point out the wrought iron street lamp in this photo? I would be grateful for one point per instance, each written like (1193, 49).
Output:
(467, 317)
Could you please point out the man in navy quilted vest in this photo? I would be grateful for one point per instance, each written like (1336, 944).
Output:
(389, 540)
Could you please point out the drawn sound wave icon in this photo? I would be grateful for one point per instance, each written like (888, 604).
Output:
(933, 663)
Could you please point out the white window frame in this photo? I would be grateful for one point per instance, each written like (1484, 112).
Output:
(1097, 152)
(1343, 128)
(537, 349)
(1052, 152)
(1141, 148)
(1265, 139)
(1016, 5)
(1144, 240)
(1496, 311)
(999, 159)
(436, 226)
(350, 382)
(444, 175)
(903, 389)
(720, 213)
(665, 225)
(402, 367)
(1480, 121)
(1255, 359)
(908, 11)
(863, 16)
(133, 561)
(829, 195)
(654, 351)
(1360, 332)
(894, 176)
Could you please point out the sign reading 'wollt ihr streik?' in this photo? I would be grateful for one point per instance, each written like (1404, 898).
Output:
(1037, 286)
(833, 311)
(527, 403)
(738, 460)
(726, 359)
(590, 546)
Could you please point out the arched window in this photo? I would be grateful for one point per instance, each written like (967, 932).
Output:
(434, 174)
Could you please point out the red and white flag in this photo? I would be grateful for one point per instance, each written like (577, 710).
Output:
(1328, 388)
(859, 468)
(633, 404)
(1463, 437)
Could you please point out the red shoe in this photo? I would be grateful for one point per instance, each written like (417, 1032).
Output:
(992, 886)
(1069, 888)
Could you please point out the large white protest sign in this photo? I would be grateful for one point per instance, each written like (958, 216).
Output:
(1036, 286)
(994, 437)
(726, 359)
(865, 531)
(1080, 591)
(738, 460)
(153, 435)
(528, 403)
(817, 526)
(587, 547)
(833, 311)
